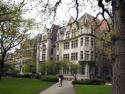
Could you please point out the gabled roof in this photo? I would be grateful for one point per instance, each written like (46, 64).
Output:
(71, 20)
(87, 17)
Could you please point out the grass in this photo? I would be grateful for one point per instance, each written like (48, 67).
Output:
(22, 86)
(93, 89)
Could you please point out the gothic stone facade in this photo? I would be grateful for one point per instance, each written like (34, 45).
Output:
(74, 42)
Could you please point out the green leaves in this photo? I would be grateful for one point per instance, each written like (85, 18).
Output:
(54, 67)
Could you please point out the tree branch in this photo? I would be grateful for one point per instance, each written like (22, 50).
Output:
(14, 11)
(104, 10)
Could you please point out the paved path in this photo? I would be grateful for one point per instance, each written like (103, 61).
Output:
(67, 88)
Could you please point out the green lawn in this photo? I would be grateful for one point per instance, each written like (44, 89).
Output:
(93, 89)
(22, 86)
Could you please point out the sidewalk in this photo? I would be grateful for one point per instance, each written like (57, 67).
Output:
(67, 88)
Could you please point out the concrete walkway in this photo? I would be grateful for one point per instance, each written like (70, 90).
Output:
(67, 88)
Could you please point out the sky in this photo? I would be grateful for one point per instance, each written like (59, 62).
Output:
(64, 12)
(66, 9)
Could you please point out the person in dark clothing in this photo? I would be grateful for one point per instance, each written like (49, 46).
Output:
(60, 80)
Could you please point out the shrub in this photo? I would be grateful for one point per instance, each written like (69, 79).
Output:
(89, 82)
(22, 75)
(26, 75)
(50, 78)
(18, 75)
(36, 76)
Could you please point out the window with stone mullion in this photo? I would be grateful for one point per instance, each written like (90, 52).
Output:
(81, 55)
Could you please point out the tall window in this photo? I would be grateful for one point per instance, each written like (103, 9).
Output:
(74, 56)
(86, 55)
(43, 54)
(92, 54)
(83, 69)
(57, 46)
(57, 57)
(74, 43)
(73, 32)
(86, 41)
(71, 56)
(81, 41)
(65, 56)
(92, 41)
(81, 55)
(66, 45)
(67, 34)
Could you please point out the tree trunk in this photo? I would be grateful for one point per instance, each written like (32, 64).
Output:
(1, 68)
(119, 43)
(2, 64)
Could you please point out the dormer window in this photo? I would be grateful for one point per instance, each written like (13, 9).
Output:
(82, 29)
(44, 37)
(67, 34)
(73, 33)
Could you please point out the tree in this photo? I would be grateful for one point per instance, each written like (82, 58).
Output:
(118, 18)
(28, 50)
(117, 15)
(74, 69)
(118, 7)
(48, 67)
(12, 29)
(104, 50)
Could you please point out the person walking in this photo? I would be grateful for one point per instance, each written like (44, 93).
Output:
(60, 80)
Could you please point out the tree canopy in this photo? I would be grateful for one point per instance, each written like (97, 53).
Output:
(13, 29)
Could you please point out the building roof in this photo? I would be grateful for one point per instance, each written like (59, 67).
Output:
(71, 20)
(86, 16)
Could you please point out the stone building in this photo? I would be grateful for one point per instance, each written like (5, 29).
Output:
(75, 42)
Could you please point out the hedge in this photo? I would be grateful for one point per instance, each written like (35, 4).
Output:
(89, 82)
(50, 78)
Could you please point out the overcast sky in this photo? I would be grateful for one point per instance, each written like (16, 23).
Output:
(64, 12)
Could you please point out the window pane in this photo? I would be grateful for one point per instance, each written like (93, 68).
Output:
(86, 41)
(86, 55)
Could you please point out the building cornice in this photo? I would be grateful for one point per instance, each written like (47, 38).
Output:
(76, 37)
